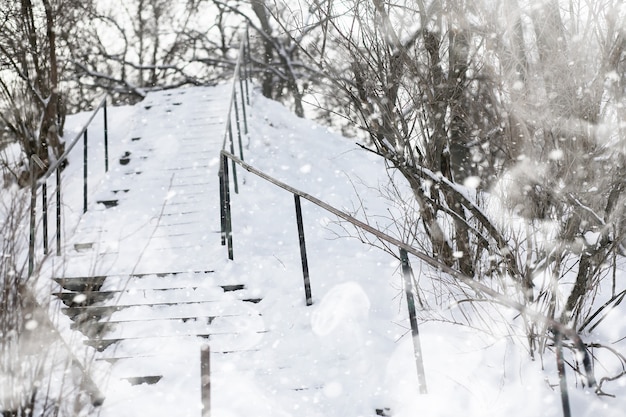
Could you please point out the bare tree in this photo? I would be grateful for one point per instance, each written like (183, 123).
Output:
(509, 137)
(34, 34)
(286, 37)
(570, 127)
(152, 45)
(36, 372)
(423, 99)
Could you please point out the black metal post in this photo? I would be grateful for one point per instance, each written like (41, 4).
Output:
(560, 364)
(303, 257)
(247, 61)
(85, 171)
(44, 208)
(222, 203)
(33, 206)
(243, 114)
(227, 215)
(417, 347)
(58, 198)
(106, 138)
(238, 125)
(232, 151)
(205, 380)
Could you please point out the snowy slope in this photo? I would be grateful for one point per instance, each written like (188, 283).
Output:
(349, 354)
(484, 375)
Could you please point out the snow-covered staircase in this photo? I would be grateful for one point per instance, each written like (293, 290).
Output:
(150, 329)
(163, 180)
(144, 284)
(136, 277)
(109, 310)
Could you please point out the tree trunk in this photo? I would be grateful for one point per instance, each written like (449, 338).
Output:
(259, 8)
(49, 133)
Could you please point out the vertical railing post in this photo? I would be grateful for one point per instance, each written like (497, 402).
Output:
(232, 151)
(222, 203)
(205, 380)
(246, 63)
(560, 364)
(227, 214)
(33, 207)
(238, 125)
(85, 171)
(44, 208)
(106, 137)
(303, 257)
(417, 347)
(243, 113)
(58, 198)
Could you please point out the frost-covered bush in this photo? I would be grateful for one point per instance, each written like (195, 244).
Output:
(506, 124)
(36, 376)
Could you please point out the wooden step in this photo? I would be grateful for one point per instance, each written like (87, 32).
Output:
(114, 282)
(82, 298)
(100, 328)
(151, 310)
(155, 340)
(150, 365)
(133, 300)
(82, 284)
(83, 246)
(233, 355)
(108, 203)
(173, 327)
(172, 345)
(148, 380)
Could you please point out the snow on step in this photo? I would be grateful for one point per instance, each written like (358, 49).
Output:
(127, 298)
(149, 296)
(160, 364)
(172, 326)
(195, 279)
(165, 177)
(154, 310)
(145, 217)
(148, 328)
(173, 389)
(169, 346)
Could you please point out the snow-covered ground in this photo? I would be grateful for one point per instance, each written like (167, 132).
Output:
(351, 352)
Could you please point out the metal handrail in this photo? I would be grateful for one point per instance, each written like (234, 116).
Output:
(68, 149)
(241, 57)
(242, 60)
(239, 77)
(56, 168)
(558, 328)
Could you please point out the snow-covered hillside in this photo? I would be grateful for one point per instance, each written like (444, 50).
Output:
(468, 372)
(350, 353)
